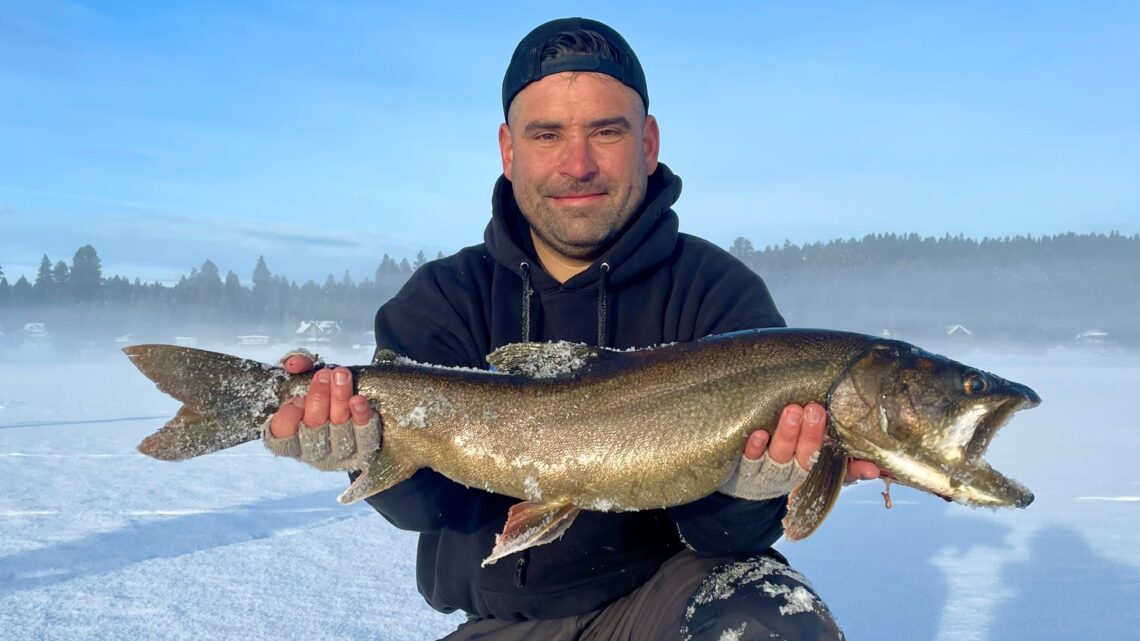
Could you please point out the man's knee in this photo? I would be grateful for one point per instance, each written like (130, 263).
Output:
(760, 598)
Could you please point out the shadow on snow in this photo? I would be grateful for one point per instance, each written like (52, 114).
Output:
(157, 537)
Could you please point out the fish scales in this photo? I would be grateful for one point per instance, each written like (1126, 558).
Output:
(674, 425)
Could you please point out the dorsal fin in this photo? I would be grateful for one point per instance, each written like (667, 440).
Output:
(543, 360)
(384, 356)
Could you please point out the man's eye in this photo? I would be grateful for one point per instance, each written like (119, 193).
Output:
(546, 137)
(609, 133)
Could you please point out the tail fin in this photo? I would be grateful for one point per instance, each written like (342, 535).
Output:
(225, 399)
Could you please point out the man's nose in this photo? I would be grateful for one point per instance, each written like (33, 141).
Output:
(578, 160)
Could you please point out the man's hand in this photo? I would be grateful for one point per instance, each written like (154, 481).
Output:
(340, 430)
(799, 434)
(773, 466)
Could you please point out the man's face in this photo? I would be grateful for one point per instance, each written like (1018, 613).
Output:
(578, 151)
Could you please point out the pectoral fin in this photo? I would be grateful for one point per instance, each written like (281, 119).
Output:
(529, 524)
(809, 503)
(383, 472)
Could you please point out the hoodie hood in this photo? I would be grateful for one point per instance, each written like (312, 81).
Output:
(648, 239)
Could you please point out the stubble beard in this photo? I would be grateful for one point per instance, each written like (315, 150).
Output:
(608, 219)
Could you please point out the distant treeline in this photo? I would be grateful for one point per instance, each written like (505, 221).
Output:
(79, 306)
(1043, 289)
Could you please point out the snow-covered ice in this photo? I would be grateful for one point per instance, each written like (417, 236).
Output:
(100, 542)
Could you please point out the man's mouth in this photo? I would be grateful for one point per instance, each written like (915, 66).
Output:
(571, 198)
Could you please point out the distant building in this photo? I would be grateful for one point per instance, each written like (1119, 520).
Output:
(958, 331)
(318, 331)
(36, 333)
(186, 341)
(1092, 337)
(124, 339)
(253, 339)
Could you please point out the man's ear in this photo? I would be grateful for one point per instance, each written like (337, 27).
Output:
(651, 144)
(506, 149)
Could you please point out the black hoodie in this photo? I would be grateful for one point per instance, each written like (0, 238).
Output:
(653, 286)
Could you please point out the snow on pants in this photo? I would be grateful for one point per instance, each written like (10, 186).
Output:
(692, 599)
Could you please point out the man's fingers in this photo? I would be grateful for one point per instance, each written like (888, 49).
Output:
(317, 400)
(861, 470)
(298, 364)
(783, 445)
(339, 412)
(285, 420)
(813, 428)
(757, 443)
(361, 410)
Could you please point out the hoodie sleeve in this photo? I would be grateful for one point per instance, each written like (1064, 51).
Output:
(423, 502)
(735, 298)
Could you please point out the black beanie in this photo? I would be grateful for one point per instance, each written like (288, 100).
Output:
(527, 65)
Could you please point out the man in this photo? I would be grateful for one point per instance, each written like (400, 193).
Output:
(583, 246)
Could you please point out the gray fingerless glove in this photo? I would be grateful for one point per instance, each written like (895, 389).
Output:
(763, 478)
(330, 447)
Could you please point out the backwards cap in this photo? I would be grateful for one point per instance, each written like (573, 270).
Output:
(527, 65)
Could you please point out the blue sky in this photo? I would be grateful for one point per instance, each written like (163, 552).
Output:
(324, 134)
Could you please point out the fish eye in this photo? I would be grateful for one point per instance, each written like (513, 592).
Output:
(974, 383)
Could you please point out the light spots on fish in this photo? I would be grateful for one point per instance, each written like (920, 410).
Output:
(883, 422)
(603, 505)
(431, 405)
(532, 489)
(415, 418)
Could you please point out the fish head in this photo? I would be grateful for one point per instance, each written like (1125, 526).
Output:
(928, 420)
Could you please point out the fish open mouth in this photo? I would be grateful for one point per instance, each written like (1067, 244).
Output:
(994, 419)
(978, 483)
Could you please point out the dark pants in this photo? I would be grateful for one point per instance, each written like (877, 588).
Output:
(692, 599)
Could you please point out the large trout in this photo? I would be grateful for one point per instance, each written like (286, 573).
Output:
(566, 427)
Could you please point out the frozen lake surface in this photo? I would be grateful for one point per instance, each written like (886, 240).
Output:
(100, 542)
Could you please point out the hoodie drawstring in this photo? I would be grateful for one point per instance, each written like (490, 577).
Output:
(527, 293)
(605, 270)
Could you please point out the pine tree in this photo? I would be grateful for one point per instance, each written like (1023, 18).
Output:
(43, 285)
(234, 295)
(262, 291)
(60, 275)
(420, 260)
(209, 285)
(86, 275)
(21, 292)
